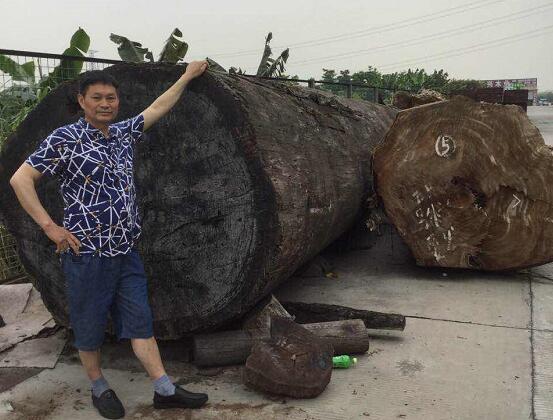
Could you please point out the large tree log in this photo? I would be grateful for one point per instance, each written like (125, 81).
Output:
(242, 183)
(468, 185)
(234, 347)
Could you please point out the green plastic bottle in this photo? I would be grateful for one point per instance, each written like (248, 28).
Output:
(343, 362)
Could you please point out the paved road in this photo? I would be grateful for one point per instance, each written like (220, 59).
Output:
(542, 117)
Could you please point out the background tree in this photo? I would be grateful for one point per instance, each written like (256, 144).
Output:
(547, 95)
(26, 91)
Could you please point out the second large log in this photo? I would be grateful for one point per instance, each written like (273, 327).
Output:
(468, 185)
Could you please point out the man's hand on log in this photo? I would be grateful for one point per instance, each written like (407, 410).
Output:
(62, 238)
(195, 69)
(163, 104)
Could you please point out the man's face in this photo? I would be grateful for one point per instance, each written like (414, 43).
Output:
(100, 104)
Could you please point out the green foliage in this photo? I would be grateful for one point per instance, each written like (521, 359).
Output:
(18, 72)
(462, 84)
(410, 80)
(13, 110)
(67, 69)
(269, 67)
(175, 49)
(329, 75)
(19, 99)
(131, 50)
(546, 95)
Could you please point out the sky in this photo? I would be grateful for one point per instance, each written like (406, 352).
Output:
(486, 39)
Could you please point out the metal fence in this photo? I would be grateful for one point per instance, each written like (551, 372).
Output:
(36, 73)
(59, 68)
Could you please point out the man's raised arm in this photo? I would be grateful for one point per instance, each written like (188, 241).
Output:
(163, 104)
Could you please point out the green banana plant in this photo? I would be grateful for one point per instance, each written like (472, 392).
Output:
(18, 72)
(131, 50)
(18, 100)
(173, 51)
(68, 69)
(269, 67)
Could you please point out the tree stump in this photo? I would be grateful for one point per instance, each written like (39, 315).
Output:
(239, 185)
(468, 185)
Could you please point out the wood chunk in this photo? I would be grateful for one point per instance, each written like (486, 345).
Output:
(259, 319)
(294, 362)
(468, 185)
(349, 336)
(320, 312)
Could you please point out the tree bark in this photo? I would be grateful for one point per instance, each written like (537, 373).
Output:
(238, 186)
(234, 347)
(320, 312)
(468, 185)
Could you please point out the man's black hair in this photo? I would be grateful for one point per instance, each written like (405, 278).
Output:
(96, 76)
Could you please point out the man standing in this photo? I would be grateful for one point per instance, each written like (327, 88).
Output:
(104, 273)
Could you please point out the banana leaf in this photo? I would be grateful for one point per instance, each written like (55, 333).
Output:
(130, 50)
(276, 69)
(266, 61)
(174, 49)
(68, 68)
(18, 72)
(214, 66)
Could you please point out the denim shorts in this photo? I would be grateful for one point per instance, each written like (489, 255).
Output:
(97, 286)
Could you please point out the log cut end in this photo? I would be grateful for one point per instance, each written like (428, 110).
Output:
(468, 185)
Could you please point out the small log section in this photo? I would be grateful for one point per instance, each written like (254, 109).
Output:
(468, 185)
(305, 313)
(226, 347)
(238, 186)
(234, 347)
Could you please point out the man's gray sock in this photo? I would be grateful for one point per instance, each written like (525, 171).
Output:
(164, 386)
(99, 386)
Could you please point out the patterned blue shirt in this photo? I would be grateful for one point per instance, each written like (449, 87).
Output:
(97, 184)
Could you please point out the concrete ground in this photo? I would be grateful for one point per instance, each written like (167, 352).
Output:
(476, 346)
